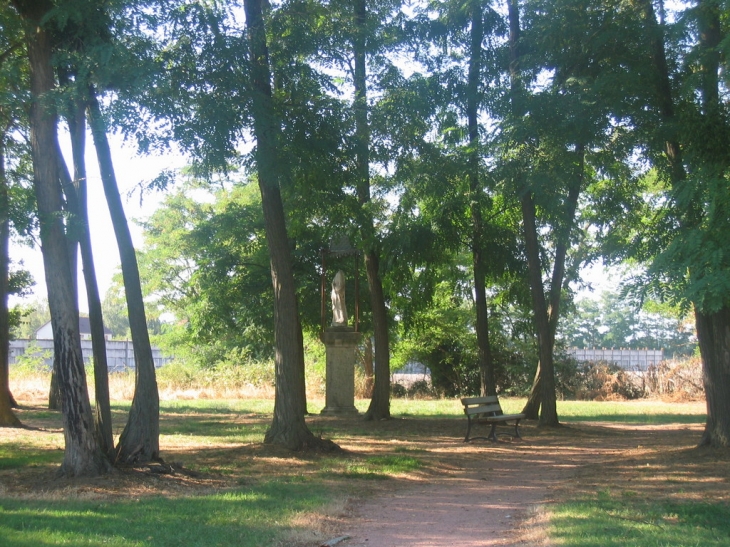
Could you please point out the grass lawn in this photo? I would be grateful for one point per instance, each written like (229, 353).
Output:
(232, 490)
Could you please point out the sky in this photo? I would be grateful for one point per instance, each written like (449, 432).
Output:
(131, 170)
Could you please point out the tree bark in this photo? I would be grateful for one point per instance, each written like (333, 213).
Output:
(532, 406)
(7, 416)
(713, 327)
(288, 427)
(367, 363)
(713, 334)
(140, 439)
(77, 189)
(546, 380)
(82, 455)
(476, 199)
(379, 408)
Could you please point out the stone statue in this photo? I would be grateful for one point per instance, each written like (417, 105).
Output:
(339, 308)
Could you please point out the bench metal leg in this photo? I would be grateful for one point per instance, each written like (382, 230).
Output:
(468, 428)
(493, 433)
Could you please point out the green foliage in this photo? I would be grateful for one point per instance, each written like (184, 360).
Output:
(31, 362)
(33, 317)
(206, 265)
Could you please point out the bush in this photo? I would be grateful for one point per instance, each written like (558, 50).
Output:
(32, 362)
(606, 381)
(680, 380)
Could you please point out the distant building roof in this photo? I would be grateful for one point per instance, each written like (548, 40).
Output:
(46, 332)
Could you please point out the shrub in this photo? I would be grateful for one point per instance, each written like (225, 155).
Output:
(32, 362)
(680, 380)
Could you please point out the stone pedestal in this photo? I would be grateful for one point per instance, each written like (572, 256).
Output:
(340, 343)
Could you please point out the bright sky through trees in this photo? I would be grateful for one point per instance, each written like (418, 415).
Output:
(133, 171)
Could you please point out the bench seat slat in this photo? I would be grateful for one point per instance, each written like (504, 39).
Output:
(479, 400)
(483, 409)
(504, 417)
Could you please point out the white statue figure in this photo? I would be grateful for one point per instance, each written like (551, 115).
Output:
(339, 308)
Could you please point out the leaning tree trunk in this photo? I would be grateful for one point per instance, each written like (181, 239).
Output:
(103, 415)
(140, 439)
(82, 455)
(288, 427)
(548, 412)
(7, 416)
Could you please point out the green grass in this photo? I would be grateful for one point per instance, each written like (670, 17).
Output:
(377, 467)
(642, 411)
(16, 455)
(608, 521)
(247, 517)
(259, 511)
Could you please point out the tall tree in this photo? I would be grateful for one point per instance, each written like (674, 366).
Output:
(11, 75)
(476, 199)
(7, 417)
(288, 427)
(82, 455)
(691, 256)
(379, 407)
(76, 199)
(140, 439)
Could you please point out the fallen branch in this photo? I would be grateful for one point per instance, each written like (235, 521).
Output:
(334, 541)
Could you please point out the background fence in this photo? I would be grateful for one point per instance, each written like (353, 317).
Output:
(627, 359)
(119, 353)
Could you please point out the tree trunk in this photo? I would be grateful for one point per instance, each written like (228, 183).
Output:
(82, 455)
(288, 427)
(140, 439)
(546, 379)
(103, 415)
(713, 328)
(367, 363)
(379, 408)
(531, 409)
(54, 390)
(7, 416)
(486, 365)
(713, 334)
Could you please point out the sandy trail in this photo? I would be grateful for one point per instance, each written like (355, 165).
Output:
(486, 500)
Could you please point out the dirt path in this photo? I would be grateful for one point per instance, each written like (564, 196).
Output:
(487, 499)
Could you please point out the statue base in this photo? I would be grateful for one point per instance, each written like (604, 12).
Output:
(340, 343)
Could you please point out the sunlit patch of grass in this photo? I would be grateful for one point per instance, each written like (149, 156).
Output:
(644, 411)
(242, 518)
(625, 520)
(374, 467)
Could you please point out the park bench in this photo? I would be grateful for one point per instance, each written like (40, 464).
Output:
(488, 410)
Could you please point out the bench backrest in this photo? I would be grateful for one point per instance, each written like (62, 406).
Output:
(482, 405)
